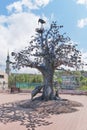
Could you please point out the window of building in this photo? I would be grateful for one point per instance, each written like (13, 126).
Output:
(1, 76)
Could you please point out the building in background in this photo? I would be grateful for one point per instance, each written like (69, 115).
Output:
(3, 80)
(4, 75)
(8, 70)
(69, 82)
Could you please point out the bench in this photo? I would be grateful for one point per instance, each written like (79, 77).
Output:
(14, 89)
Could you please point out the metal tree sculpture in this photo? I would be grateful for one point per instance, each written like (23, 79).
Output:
(47, 51)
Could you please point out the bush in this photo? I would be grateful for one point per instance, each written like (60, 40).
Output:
(83, 88)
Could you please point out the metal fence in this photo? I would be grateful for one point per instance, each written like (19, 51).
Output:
(27, 85)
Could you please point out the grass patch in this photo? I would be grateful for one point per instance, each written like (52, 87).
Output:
(83, 88)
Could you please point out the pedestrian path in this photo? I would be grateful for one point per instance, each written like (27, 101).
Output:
(70, 121)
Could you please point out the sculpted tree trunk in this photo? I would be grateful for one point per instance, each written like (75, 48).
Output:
(48, 92)
(47, 51)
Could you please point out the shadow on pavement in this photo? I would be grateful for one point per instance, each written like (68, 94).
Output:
(33, 114)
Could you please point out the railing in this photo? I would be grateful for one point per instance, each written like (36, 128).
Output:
(27, 85)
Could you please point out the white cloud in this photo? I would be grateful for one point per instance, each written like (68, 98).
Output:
(23, 5)
(83, 2)
(42, 2)
(19, 6)
(17, 28)
(82, 23)
(27, 70)
(84, 60)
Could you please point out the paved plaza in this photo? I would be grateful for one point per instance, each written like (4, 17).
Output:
(70, 121)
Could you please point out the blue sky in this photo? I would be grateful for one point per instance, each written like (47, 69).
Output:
(18, 19)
